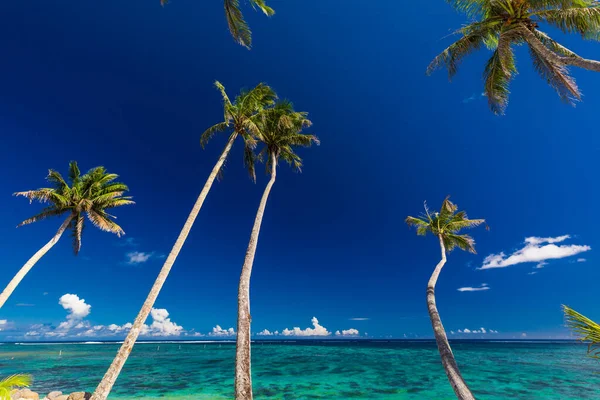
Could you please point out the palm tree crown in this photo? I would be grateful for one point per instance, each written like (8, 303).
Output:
(503, 23)
(447, 224)
(235, 19)
(279, 130)
(242, 116)
(91, 194)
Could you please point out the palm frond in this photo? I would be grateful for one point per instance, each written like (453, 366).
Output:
(262, 5)
(13, 382)
(497, 82)
(463, 242)
(237, 24)
(250, 161)
(557, 76)
(421, 225)
(102, 221)
(586, 329)
(46, 213)
(453, 54)
(210, 132)
(552, 44)
(74, 173)
(582, 20)
(473, 8)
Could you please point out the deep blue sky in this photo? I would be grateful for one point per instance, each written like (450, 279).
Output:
(128, 85)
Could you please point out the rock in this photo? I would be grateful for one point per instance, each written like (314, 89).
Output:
(63, 397)
(53, 395)
(79, 396)
(25, 394)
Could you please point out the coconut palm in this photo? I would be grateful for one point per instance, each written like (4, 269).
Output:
(11, 383)
(91, 194)
(241, 116)
(586, 329)
(501, 24)
(235, 19)
(446, 225)
(280, 129)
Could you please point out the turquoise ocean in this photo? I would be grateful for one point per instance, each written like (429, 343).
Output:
(314, 369)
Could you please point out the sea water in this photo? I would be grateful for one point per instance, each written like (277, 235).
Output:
(314, 369)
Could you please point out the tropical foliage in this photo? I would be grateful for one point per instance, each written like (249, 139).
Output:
(91, 194)
(501, 24)
(241, 117)
(13, 382)
(586, 329)
(237, 23)
(446, 225)
(279, 129)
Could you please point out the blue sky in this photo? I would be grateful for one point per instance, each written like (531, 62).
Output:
(129, 86)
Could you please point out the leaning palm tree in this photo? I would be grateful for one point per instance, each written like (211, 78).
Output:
(12, 382)
(586, 329)
(235, 19)
(241, 116)
(280, 129)
(501, 24)
(446, 225)
(91, 194)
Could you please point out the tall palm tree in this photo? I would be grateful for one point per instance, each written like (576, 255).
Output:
(13, 382)
(241, 116)
(280, 129)
(235, 19)
(501, 24)
(446, 225)
(586, 329)
(91, 194)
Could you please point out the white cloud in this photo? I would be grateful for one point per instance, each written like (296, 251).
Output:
(77, 308)
(532, 273)
(580, 260)
(347, 332)
(541, 265)
(3, 322)
(162, 324)
(317, 330)
(265, 332)
(138, 257)
(481, 330)
(359, 319)
(536, 250)
(523, 334)
(218, 331)
(484, 286)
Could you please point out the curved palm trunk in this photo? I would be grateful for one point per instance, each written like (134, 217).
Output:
(243, 376)
(580, 62)
(448, 361)
(112, 374)
(32, 261)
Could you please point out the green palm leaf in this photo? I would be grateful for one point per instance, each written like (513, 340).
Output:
(586, 329)
(13, 382)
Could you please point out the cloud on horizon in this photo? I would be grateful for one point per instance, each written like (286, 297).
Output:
(317, 330)
(359, 319)
(484, 286)
(467, 331)
(220, 332)
(347, 332)
(537, 249)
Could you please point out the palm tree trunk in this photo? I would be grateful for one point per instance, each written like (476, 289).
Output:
(243, 376)
(32, 261)
(580, 62)
(448, 361)
(112, 374)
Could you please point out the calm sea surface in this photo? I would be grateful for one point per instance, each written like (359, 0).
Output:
(314, 370)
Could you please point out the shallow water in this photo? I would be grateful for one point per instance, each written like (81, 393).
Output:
(315, 370)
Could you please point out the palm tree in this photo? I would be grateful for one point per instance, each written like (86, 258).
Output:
(91, 194)
(500, 24)
(280, 129)
(235, 19)
(241, 116)
(446, 225)
(13, 382)
(585, 328)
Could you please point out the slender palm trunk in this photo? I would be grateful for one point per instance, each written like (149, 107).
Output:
(580, 62)
(112, 374)
(32, 261)
(456, 380)
(243, 376)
